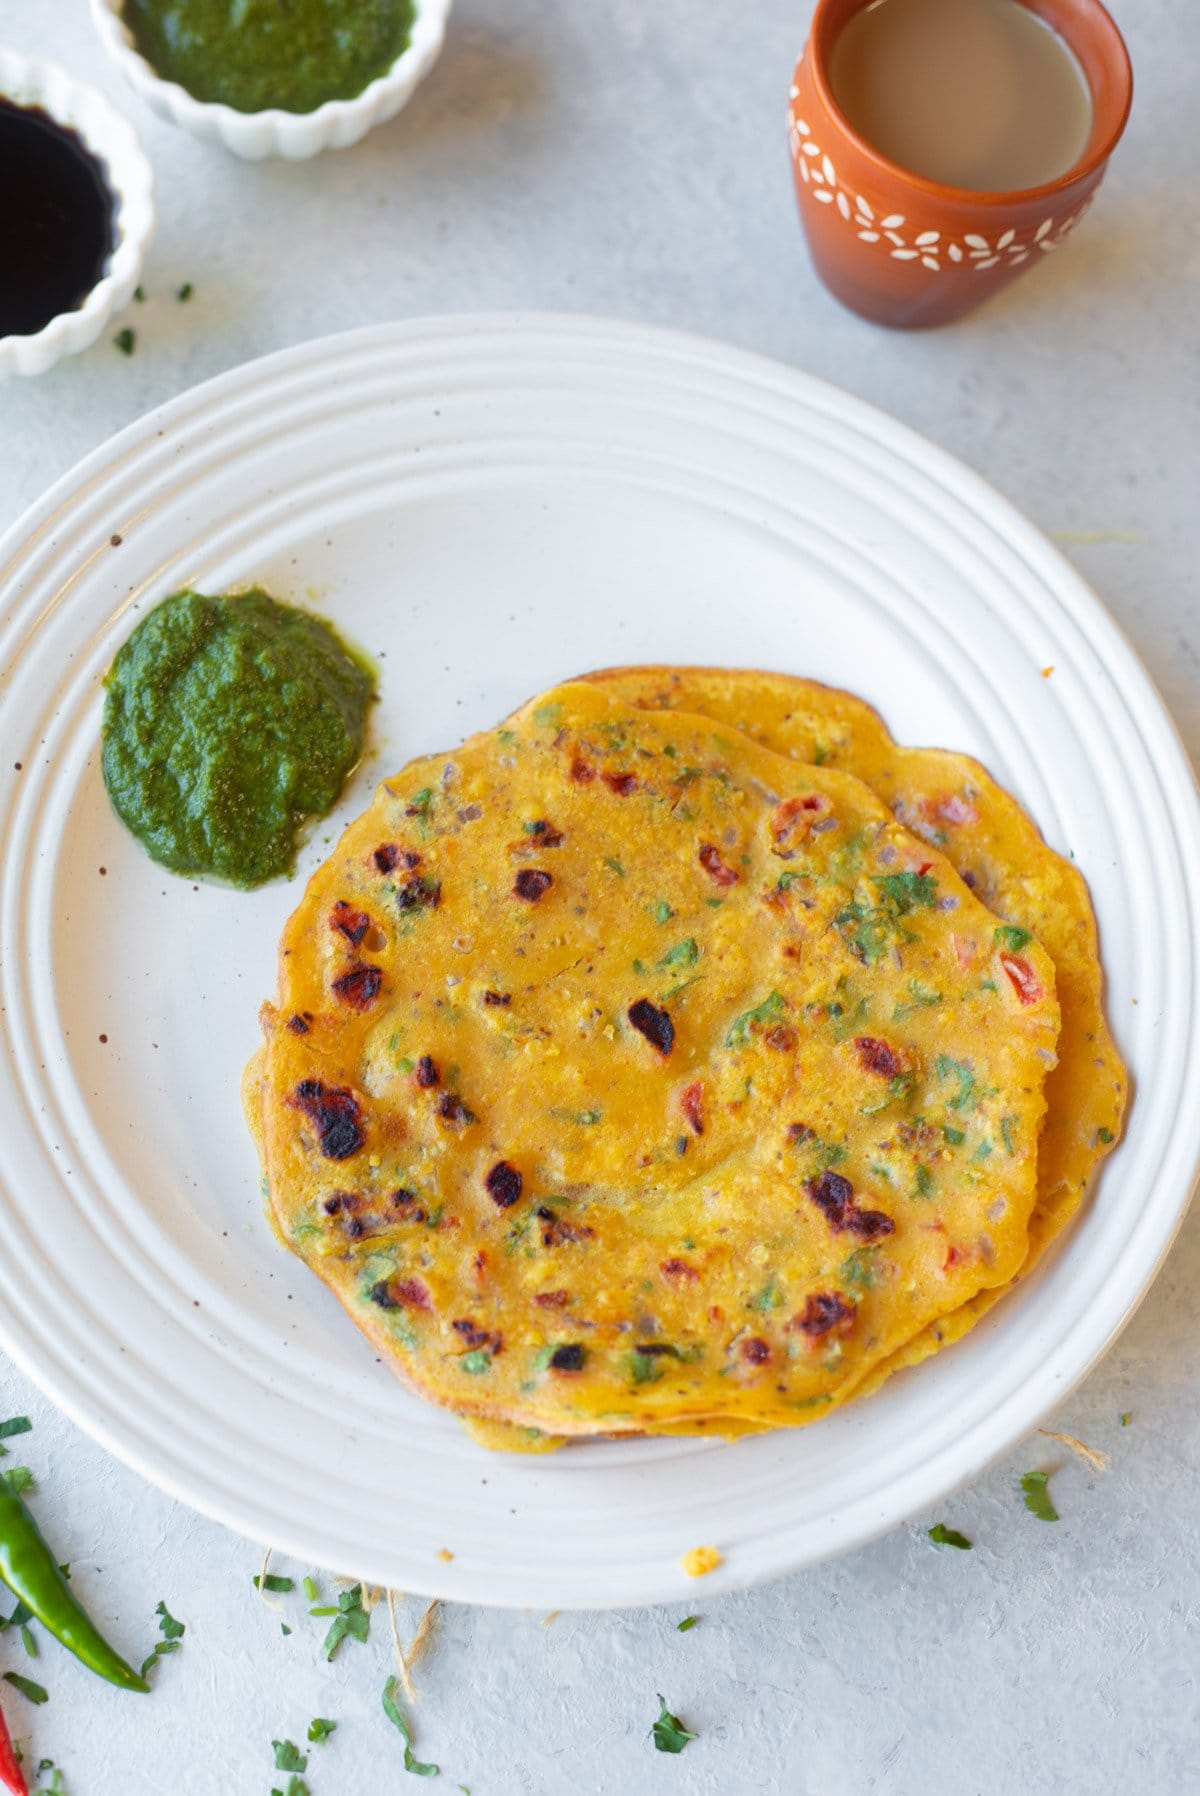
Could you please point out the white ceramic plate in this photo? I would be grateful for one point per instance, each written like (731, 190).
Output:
(492, 504)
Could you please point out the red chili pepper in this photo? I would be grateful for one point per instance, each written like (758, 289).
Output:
(1022, 978)
(11, 1774)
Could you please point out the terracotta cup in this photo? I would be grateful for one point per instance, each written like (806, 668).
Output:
(909, 252)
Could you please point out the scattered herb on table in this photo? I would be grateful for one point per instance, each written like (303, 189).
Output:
(40, 1585)
(125, 341)
(295, 1786)
(139, 294)
(1125, 1415)
(1037, 1497)
(34, 1693)
(668, 1731)
(310, 1589)
(172, 1632)
(185, 292)
(395, 1715)
(319, 1729)
(288, 1756)
(349, 1618)
(21, 1479)
(941, 1536)
(14, 1426)
(689, 1621)
(272, 1581)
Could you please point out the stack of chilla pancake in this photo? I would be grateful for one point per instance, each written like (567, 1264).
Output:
(681, 1056)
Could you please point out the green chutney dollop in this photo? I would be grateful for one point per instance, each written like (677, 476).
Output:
(227, 723)
(256, 54)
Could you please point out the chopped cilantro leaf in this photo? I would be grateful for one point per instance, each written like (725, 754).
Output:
(1105, 1137)
(33, 1692)
(955, 1137)
(279, 1585)
(125, 340)
(288, 1756)
(668, 1731)
(548, 716)
(20, 1479)
(769, 1298)
(983, 1151)
(906, 891)
(319, 1730)
(15, 1425)
(392, 1710)
(479, 1360)
(860, 1269)
(139, 294)
(296, 1786)
(683, 954)
(689, 1621)
(663, 912)
(1037, 1497)
(644, 1368)
(168, 1627)
(965, 1097)
(351, 1620)
(941, 1536)
(185, 292)
(769, 1011)
(614, 865)
(1009, 936)
(922, 1181)
(1125, 1415)
(284, 1629)
(1006, 1132)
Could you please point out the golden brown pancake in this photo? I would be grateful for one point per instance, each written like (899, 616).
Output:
(950, 801)
(624, 1074)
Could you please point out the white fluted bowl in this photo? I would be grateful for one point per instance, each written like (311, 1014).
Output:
(274, 132)
(113, 141)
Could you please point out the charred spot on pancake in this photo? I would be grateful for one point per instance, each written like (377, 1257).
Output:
(718, 871)
(404, 1202)
(825, 1312)
(678, 1269)
(336, 1114)
(834, 1197)
(558, 1233)
(426, 1074)
(452, 1109)
(569, 1358)
(300, 1022)
(359, 987)
(781, 1037)
(552, 1300)
(581, 771)
(504, 1184)
(349, 921)
(401, 1294)
(692, 1105)
(877, 1056)
(475, 1336)
(797, 1132)
(754, 1349)
(386, 856)
(653, 1023)
(419, 893)
(498, 1000)
(531, 884)
(620, 783)
(337, 1201)
(544, 833)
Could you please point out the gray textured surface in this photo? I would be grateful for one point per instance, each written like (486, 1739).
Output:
(630, 159)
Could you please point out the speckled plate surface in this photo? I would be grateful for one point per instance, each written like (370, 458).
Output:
(491, 504)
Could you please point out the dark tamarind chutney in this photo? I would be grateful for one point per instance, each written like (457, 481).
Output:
(56, 219)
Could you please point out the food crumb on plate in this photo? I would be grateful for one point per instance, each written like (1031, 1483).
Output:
(445, 1555)
(701, 1560)
(1047, 671)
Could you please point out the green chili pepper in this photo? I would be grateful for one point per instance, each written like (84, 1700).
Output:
(31, 1572)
